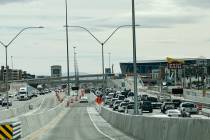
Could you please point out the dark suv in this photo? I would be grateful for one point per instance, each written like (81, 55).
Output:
(146, 106)
(166, 106)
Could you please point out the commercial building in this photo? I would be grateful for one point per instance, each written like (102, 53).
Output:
(14, 74)
(153, 70)
(56, 71)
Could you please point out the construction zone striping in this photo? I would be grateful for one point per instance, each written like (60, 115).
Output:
(10, 131)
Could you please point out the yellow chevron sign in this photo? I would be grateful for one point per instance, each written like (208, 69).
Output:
(6, 132)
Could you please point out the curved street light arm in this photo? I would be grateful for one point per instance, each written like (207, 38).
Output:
(116, 31)
(3, 44)
(21, 32)
(88, 32)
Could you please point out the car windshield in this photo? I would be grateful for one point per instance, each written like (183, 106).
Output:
(188, 105)
(123, 104)
(146, 103)
(121, 97)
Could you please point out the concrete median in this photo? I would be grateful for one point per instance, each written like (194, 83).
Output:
(31, 123)
(14, 112)
(7, 114)
(153, 128)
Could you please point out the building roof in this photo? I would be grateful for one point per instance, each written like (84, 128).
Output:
(164, 60)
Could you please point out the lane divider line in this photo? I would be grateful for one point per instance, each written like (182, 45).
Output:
(107, 136)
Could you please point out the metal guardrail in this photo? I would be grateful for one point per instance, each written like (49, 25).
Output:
(10, 131)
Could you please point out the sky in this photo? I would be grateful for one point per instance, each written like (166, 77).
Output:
(174, 28)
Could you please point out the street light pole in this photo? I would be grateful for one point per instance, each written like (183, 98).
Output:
(67, 48)
(12, 78)
(75, 69)
(102, 43)
(12, 62)
(6, 47)
(109, 59)
(102, 47)
(134, 59)
(6, 78)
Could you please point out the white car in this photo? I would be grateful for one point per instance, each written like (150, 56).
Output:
(189, 107)
(84, 99)
(173, 113)
(122, 107)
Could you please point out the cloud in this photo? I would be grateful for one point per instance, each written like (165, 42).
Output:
(13, 1)
(193, 3)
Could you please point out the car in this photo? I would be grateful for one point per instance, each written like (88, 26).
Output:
(189, 107)
(152, 99)
(107, 100)
(10, 95)
(84, 99)
(1, 100)
(111, 95)
(164, 99)
(166, 106)
(4, 103)
(112, 102)
(156, 105)
(176, 102)
(173, 113)
(130, 108)
(121, 97)
(46, 91)
(144, 97)
(146, 106)
(122, 106)
(116, 104)
(130, 94)
(41, 92)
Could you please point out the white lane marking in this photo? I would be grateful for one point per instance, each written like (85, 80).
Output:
(42, 103)
(88, 110)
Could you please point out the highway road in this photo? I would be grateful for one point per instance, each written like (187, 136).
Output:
(80, 122)
(40, 104)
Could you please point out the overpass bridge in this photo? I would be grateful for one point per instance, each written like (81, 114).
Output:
(89, 78)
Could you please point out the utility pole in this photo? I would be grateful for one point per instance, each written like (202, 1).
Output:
(136, 111)
(109, 60)
(67, 48)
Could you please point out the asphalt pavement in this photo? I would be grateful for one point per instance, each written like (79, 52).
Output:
(77, 124)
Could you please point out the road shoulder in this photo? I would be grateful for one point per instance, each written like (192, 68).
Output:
(104, 127)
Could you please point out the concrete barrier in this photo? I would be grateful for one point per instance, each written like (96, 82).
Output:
(31, 123)
(13, 112)
(7, 114)
(153, 128)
